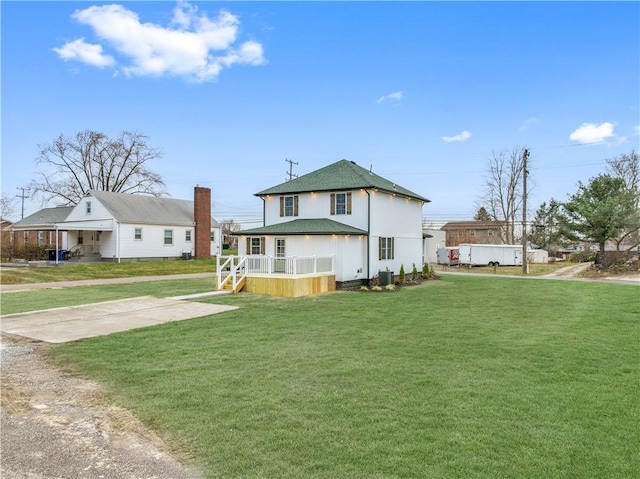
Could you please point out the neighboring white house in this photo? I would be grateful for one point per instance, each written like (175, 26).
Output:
(119, 226)
(365, 222)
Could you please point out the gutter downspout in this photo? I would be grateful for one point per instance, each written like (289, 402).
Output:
(368, 232)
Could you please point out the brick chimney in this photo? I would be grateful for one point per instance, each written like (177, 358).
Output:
(202, 218)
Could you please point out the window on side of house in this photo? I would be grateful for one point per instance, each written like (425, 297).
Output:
(88, 205)
(187, 236)
(472, 233)
(289, 205)
(212, 236)
(168, 237)
(255, 245)
(137, 234)
(280, 248)
(340, 203)
(385, 248)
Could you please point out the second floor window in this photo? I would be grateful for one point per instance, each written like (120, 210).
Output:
(289, 205)
(340, 203)
(88, 207)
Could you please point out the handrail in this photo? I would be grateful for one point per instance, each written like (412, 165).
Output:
(232, 271)
(268, 265)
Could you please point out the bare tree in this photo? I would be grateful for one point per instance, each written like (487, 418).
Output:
(71, 166)
(7, 206)
(228, 227)
(627, 168)
(502, 192)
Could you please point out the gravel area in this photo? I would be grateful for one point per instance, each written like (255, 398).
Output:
(54, 425)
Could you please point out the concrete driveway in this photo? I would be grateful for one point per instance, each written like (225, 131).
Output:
(70, 323)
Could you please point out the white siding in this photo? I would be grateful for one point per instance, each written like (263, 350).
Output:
(79, 212)
(318, 205)
(152, 243)
(349, 251)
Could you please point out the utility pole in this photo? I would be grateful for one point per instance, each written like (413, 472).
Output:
(290, 172)
(525, 157)
(23, 198)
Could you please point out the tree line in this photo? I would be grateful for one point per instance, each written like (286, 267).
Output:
(606, 208)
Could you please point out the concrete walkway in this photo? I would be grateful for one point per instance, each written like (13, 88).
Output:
(59, 325)
(7, 288)
(70, 323)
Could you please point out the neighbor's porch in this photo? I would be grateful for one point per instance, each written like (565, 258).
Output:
(275, 276)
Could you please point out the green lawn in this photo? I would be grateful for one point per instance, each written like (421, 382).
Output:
(465, 377)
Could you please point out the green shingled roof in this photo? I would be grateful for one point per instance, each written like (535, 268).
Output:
(320, 226)
(342, 175)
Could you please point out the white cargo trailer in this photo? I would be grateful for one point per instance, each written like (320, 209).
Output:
(448, 255)
(490, 254)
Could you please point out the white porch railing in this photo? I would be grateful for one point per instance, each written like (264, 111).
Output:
(231, 270)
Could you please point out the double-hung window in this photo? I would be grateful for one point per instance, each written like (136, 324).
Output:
(168, 237)
(340, 203)
(187, 236)
(385, 248)
(137, 234)
(255, 245)
(289, 205)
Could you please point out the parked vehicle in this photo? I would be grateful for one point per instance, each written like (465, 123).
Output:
(448, 255)
(490, 254)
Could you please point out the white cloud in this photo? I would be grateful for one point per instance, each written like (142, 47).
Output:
(464, 136)
(85, 52)
(592, 133)
(636, 130)
(195, 46)
(529, 122)
(395, 96)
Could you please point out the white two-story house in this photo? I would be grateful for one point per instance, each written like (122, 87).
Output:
(363, 222)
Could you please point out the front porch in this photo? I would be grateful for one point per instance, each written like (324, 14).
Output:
(289, 277)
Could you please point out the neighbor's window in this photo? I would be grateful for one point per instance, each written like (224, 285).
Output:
(255, 245)
(40, 237)
(340, 203)
(80, 237)
(187, 236)
(168, 237)
(489, 232)
(88, 207)
(385, 248)
(289, 205)
(472, 232)
(137, 234)
(212, 236)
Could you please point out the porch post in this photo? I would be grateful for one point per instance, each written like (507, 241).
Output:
(56, 227)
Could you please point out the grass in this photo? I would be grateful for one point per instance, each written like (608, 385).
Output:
(18, 302)
(466, 377)
(71, 271)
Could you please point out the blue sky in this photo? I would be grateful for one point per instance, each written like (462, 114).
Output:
(421, 92)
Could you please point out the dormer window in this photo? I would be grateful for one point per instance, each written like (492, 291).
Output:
(88, 204)
(340, 203)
